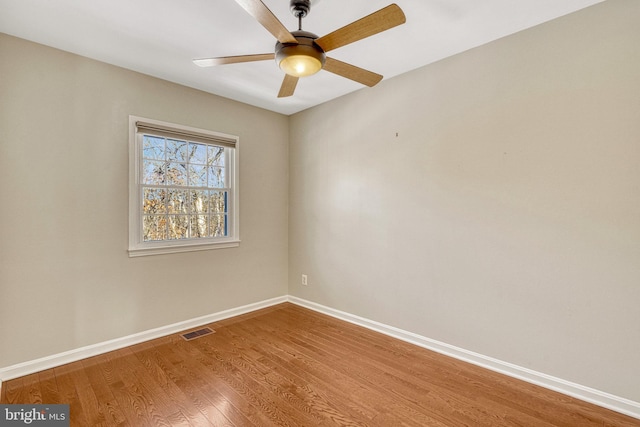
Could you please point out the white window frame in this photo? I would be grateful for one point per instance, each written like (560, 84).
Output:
(138, 247)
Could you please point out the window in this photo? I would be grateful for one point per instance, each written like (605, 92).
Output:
(183, 192)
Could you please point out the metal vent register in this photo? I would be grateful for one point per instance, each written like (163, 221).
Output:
(197, 334)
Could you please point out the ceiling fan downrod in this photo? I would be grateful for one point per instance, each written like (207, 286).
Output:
(300, 9)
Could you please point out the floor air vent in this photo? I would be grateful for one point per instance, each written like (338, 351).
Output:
(197, 334)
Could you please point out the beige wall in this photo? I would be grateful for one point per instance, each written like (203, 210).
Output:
(490, 201)
(66, 280)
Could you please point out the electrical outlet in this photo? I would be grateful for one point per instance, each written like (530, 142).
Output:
(304, 280)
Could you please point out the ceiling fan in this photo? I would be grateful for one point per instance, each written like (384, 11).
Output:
(301, 53)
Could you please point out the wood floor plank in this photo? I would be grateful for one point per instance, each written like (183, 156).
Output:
(243, 361)
(31, 383)
(380, 372)
(289, 366)
(214, 385)
(68, 393)
(365, 399)
(11, 391)
(233, 373)
(109, 409)
(135, 401)
(184, 398)
(312, 405)
(336, 359)
(48, 386)
(22, 390)
(192, 374)
(158, 402)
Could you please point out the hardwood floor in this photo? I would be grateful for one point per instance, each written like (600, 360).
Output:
(290, 366)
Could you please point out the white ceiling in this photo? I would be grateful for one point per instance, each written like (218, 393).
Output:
(161, 37)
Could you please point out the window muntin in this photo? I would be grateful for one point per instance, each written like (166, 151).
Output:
(185, 189)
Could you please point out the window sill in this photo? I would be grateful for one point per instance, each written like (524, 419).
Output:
(172, 249)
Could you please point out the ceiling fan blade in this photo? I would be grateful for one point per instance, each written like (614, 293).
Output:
(352, 72)
(384, 19)
(210, 62)
(288, 86)
(264, 16)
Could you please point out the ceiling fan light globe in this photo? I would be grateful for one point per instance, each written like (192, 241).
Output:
(300, 65)
(302, 59)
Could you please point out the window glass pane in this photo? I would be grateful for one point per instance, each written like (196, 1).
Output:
(218, 200)
(199, 226)
(216, 177)
(176, 150)
(216, 156)
(153, 172)
(176, 201)
(153, 201)
(154, 227)
(217, 226)
(176, 174)
(197, 175)
(197, 153)
(153, 147)
(178, 227)
(199, 202)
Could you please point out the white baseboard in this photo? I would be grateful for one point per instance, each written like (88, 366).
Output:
(597, 397)
(606, 400)
(48, 362)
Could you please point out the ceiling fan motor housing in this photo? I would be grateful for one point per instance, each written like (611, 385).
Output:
(305, 47)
